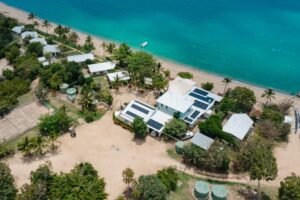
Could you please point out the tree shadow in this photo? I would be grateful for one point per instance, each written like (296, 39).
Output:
(251, 194)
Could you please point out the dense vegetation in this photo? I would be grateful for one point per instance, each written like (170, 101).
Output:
(139, 128)
(8, 190)
(289, 188)
(186, 75)
(6, 37)
(82, 182)
(214, 159)
(175, 128)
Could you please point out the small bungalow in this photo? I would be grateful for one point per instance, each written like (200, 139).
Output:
(29, 34)
(101, 68)
(52, 49)
(43, 60)
(121, 75)
(80, 58)
(238, 125)
(42, 41)
(202, 141)
(17, 30)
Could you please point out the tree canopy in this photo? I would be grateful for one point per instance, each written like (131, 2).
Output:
(151, 188)
(289, 188)
(139, 128)
(243, 98)
(175, 128)
(8, 191)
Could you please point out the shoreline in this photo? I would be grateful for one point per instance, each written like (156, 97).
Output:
(200, 76)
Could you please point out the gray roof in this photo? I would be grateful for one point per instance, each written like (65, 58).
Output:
(202, 141)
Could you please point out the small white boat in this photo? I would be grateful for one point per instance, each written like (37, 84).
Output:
(144, 44)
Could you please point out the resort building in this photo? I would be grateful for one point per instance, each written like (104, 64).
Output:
(121, 75)
(18, 29)
(186, 100)
(42, 41)
(183, 98)
(202, 141)
(51, 49)
(101, 68)
(80, 58)
(238, 125)
(29, 34)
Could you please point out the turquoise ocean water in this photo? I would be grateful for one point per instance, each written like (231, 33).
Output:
(256, 41)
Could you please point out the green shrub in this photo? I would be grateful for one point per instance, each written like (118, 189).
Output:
(186, 75)
(169, 178)
(207, 86)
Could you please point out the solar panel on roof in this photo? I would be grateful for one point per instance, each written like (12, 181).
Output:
(154, 124)
(206, 99)
(188, 119)
(200, 104)
(201, 92)
(132, 114)
(144, 105)
(195, 114)
(140, 109)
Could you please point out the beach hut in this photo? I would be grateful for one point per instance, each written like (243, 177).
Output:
(18, 29)
(29, 34)
(51, 49)
(179, 147)
(71, 94)
(101, 68)
(219, 192)
(201, 190)
(63, 88)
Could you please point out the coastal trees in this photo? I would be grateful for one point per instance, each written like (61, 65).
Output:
(6, 36)
(121, 55)
(257, 159)
(73, 37)
(289, 188)
(141, 65)
(35, 48)
(31, 16)
(175, 128)
(33, 145)
(186, 75)
(27, 67)
(86, 101)
(226, 82)
(268, 94)
(12, 54)
(207, 86)
(243, 98)
(47, 25)
(89, 45)
(139, 128)
(8, 191)
(110, 47)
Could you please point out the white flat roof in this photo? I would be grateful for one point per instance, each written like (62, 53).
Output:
(238, 125)
(53, 48)
(175, 101)
(101, 67)
(137, 109)
(42, 59)
(202, 141)
(122, 75)
(80, 58)
(31, 34)
(18, 29)
(181, 86)
(40, 40)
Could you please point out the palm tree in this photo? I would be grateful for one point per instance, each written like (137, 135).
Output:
(47, 25)
(269, 94)
(110, 48)
(117, 82)
(25, 146)
(39, 144)
(128, 176)
(31, 17)
(226, 81)
(86, 100)
(36, 24)
(73, 37)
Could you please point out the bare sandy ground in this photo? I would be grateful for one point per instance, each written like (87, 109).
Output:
(95, 141)
(4, 65)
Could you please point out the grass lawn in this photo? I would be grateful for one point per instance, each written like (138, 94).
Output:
(56, 103)
(26, 98)
(13, 143)
(172, 153)
(102, 80)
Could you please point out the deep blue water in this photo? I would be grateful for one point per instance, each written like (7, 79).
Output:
(256, 41)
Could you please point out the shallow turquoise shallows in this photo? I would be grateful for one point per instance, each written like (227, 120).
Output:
(256, 41)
